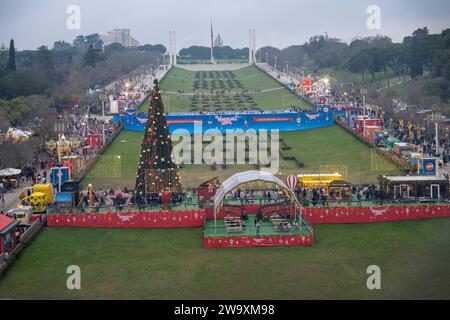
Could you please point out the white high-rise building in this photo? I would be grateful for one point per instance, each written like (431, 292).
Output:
(121, 36)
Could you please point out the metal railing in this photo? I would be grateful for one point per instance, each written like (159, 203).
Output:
(123, 208)
(253, 231)
(308, 203)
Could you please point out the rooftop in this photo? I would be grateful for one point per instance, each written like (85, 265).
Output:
(414, 178)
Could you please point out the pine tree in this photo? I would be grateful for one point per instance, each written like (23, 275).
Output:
(157, 172)
(12, 56)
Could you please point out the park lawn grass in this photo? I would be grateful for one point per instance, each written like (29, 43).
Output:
(172, 264)
(332, 149)
(324, 150)
(117, 167)
(250, 77)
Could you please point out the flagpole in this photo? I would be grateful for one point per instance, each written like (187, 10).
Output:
(212, 45)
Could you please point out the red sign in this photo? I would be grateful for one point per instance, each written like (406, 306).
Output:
(429, 166)
(95, 141)
(69, 164)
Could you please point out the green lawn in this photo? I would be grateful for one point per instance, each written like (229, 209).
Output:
(332, 149)
(172, 264)
(325, 150)
(250, 78)
(321, 150)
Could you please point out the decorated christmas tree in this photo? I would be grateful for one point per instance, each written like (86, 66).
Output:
(157, 172)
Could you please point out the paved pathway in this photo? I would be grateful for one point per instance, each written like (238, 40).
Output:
(12, 198)
(213, 67)
(278, 75)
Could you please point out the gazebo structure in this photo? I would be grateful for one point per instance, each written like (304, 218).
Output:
(257, 220)
(252, 179)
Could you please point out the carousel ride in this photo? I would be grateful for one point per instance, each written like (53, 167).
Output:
(66, 146)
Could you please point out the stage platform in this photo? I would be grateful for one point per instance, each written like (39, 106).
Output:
(216, 235)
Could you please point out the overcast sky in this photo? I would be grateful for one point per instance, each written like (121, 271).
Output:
(278, 23)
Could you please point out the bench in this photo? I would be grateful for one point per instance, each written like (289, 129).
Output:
(234, 229)
(277, 222)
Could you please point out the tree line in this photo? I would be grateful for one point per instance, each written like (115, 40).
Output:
(59, 74)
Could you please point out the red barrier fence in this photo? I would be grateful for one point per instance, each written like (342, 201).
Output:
(170, 219)
(266, 241)
(196, 218)
(374, 214)
(358, 214)
(250, 208)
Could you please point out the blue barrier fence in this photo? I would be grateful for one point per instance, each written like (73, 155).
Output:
(283, 121)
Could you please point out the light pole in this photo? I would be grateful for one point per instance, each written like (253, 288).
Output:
(275, 58)
(364, 92)
(60, 163)
(437, 138)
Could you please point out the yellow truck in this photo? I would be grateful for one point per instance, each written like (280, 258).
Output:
(41, 196)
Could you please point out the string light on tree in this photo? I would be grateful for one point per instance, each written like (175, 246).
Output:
(155, 173)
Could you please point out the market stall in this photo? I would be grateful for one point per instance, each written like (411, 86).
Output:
(414, 187)
(7, 235)
(10, 178)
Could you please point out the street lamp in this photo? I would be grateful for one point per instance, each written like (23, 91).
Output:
(364, 92)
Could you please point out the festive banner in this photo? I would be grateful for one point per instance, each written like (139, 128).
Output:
(266, 241)
(374, 214)
(355, 214)
(175, 219)
(162, 219)
(282, 121)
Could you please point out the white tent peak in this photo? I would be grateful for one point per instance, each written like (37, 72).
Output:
(244, 177)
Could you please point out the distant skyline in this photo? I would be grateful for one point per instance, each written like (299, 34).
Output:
(281, 23)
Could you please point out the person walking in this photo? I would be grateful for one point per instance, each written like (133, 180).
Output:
(258, 226)
(359, 196)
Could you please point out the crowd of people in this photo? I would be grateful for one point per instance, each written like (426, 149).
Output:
(125, 199)
(419, 134)
(355, 194)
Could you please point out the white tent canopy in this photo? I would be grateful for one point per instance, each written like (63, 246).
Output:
(9, 172)
(245, 177)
